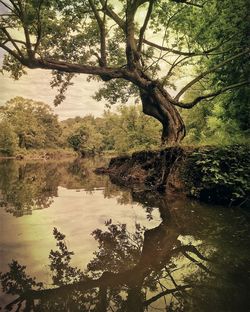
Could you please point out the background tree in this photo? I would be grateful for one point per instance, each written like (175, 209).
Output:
(34, 123)
(92, 37)
(8, 139)
(125, 130)
(131, 129)
(83, 136)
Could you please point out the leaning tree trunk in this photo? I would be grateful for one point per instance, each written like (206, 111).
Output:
(157, 105)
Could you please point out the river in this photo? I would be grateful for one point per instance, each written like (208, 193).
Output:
(119, 249)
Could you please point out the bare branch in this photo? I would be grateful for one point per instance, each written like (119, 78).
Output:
(7, 6)
(199, 264)
(211, 70)
(175, 63)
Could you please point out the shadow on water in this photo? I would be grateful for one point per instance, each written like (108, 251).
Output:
(196, 259)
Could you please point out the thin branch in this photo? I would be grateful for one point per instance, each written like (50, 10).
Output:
(12, 41)
(184, 53)
(144, 26)
(175, 63)
(202, 75)
(39, 27)
(199, 264)
(7, 6)
(11, 52)
(101, 26)
(189, 3)
(210, 95)
(164, 293)
(113, 15)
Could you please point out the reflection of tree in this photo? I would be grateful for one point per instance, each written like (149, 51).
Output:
(26, 187)
(157, 268)
(129, 272)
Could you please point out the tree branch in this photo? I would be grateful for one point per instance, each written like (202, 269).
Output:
(131, 51)
(11, 52)
(188, 3)
(39, 27)
(144, 26)
(113, 15)
(184, 53)
(101, 25)
(4, 30)
(210, 95)
(25, 28)
(202, 75)
(164, 293)
(74, 68)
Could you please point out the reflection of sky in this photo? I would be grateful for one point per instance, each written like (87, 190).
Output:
(74, 213)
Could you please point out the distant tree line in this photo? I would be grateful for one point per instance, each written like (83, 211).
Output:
(26, 124)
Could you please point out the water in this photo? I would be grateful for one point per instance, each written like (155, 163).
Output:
(133, 250)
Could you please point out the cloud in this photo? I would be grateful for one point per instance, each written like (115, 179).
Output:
(36, 85)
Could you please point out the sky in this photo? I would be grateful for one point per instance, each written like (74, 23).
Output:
(36, 85)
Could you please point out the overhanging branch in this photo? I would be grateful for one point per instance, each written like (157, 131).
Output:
(210, 95)
(184, 53)
(211, 70)
(74, 68)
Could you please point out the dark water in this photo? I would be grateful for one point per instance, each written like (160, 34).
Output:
(94, 246)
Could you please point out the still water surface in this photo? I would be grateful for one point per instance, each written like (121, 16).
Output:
(133, 250)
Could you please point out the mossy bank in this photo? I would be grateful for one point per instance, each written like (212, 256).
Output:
(219, 175)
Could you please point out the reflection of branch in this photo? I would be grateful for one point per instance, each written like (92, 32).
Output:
(189, 3)
(193, 249)
(200, 265)
(159, 246)
(166, 292)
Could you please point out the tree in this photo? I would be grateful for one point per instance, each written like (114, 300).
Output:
(107, 39)
(131, 129)
(33, 122)
(8, 139)
(84, 137)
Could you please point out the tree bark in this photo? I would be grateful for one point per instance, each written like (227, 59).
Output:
(157, 105)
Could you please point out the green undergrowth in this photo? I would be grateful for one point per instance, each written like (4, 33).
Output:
(219, 174)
